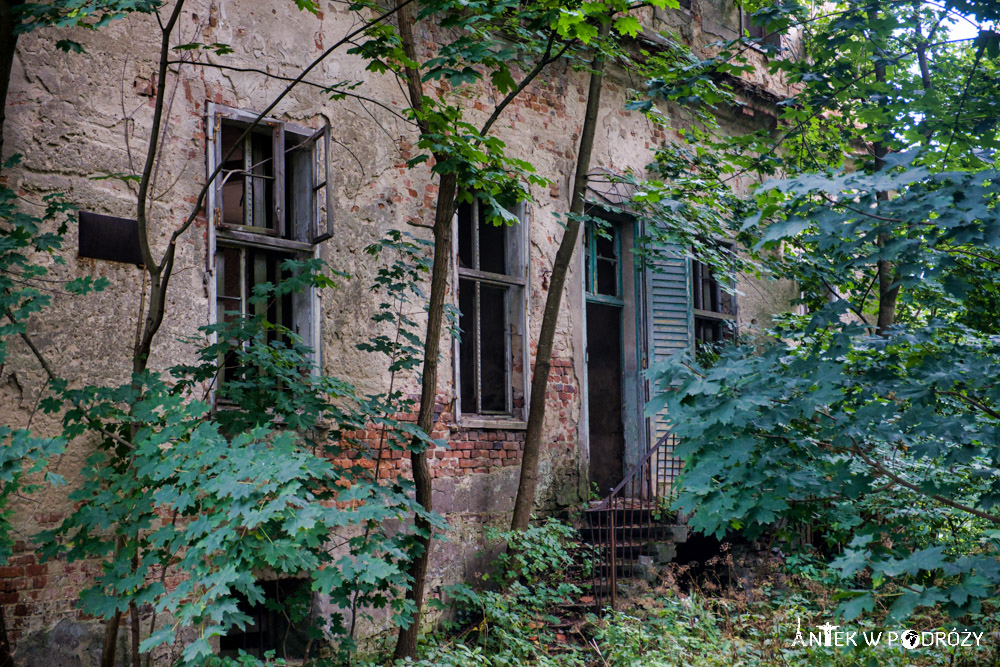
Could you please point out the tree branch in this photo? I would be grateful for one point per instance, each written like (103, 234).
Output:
(877, 467)
(535, 71)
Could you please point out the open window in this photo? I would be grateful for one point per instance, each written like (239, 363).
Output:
(491, 270)
(270, 201)
(714, 308)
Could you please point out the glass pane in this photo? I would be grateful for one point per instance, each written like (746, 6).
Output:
(605, 243)
(227, 283)
(262, 183)
(492, 248)
(493, 350)
(466, 348)
(607, 277)
(233, 188)
(465, 236)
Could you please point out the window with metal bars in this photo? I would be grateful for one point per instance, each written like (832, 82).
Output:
(492, 281)
(270, 202)
(714, 307)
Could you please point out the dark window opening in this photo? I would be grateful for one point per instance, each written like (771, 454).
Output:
(714, 307)
(279, 623)
(109, 238)
(490, 298)
(602, 272)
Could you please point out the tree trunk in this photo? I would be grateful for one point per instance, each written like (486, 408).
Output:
(8, 44)
(528, 481)
(887, 293)
(406, 641)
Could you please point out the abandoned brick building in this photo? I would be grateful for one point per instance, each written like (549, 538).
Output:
(77, 116)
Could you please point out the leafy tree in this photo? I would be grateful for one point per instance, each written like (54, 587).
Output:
(273, 482)
(874, 417)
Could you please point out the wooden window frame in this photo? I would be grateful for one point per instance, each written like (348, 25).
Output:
(296, 234)
(710, 315)
(517, 286)
(591, 259)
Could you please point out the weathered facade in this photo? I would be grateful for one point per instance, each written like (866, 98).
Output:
(79, 116)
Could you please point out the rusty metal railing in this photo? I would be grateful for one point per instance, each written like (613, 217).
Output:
(633, 517)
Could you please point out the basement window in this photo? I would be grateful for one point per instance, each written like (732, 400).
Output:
(490, 354)
(278, 623)
(269, 203)
(714, 307)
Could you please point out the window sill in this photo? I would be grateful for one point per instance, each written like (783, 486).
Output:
(498, 423)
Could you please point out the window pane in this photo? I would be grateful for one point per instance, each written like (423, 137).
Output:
(262, 183)
(493, 349)
(466, 348)
(227, 283)
(298, 189)
(233, 189)
(607, 277)
(605, 243)
(492, 248)
(465, 236)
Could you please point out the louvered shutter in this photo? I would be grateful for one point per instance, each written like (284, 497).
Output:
(670, 323)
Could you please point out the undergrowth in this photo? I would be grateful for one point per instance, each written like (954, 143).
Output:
(738, 611)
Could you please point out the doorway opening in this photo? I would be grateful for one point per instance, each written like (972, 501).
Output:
(604, 390)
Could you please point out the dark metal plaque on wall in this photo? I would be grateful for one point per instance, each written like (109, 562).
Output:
(109, 238)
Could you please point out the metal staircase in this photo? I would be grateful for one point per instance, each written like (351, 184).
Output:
(633, 530)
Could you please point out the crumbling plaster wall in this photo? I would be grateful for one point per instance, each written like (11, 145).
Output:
(79, 116)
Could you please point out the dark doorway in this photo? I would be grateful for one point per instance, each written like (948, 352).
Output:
(604, 388)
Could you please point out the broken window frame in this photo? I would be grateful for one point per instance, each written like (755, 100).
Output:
(296, 233)
(516, 286)
(725, 324)
(592, 257)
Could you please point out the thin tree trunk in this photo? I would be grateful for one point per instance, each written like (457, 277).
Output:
(528, 481)
(887, 292)
(406, 641)
(8, 44)
(112, 625)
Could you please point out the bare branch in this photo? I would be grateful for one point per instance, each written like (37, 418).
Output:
(881, 470)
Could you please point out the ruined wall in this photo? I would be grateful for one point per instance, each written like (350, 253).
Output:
(79, 116)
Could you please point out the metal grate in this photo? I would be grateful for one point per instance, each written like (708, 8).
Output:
(635, 516)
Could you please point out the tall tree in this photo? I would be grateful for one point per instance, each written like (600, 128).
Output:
(528, 480)
(873, 417)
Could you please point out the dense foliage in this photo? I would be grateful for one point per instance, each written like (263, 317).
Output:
(873, 419)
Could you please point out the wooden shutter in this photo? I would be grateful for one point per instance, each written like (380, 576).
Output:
(322, 185)
(670, 323)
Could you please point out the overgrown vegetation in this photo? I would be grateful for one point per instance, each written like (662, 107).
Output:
(742, 610)
(871, 422)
